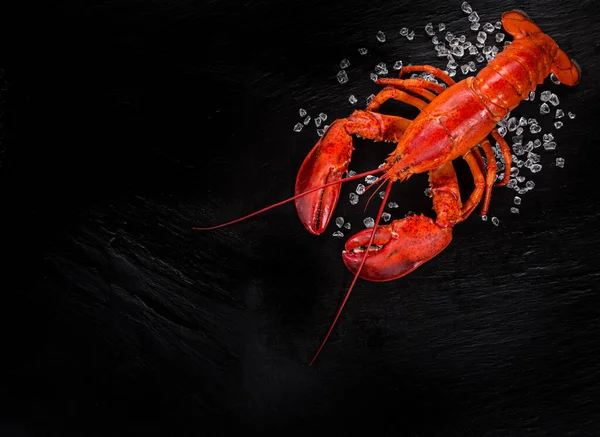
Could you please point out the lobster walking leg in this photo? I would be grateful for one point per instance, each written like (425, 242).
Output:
(490, 177)
(436, 72)
(477, 193)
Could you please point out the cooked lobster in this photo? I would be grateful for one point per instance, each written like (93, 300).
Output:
(454, 121)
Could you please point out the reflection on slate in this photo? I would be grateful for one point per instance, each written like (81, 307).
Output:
(125, 124)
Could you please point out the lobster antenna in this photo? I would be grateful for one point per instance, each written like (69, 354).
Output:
(362, 263)
(348, 179)
(383, 179)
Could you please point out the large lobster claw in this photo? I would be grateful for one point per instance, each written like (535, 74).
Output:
(326, 162)
(398, 248)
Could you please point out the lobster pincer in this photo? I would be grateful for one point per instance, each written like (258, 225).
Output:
(405, 244)
(329, 159)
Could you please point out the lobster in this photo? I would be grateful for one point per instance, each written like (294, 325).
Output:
(455, 121)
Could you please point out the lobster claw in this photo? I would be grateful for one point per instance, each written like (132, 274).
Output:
(397, 249)
(327, 162)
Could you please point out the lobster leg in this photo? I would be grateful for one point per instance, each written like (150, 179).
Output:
(329, 159)
(436, 72)
(399, 248)
(477, 193)
(490, 177)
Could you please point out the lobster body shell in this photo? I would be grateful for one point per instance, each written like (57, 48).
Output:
(466, 113)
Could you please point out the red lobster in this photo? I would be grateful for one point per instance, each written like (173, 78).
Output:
(454, 122)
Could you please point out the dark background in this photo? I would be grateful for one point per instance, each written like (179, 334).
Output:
(127, 123)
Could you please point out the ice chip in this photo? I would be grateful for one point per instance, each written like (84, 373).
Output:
(499, 37)
(323, 116)
(363, 51)
(535, 168)
(544, 108)
(353, 198)
(571, 115)
(484, 218)
(554, 79)
(495, 221)
(342, 76)
(298, 127)
(466, 8)
(369, 222)
(441, 27)
(532, 96)
(475, 25)
(380, 36)
(386, 216)
(481, 37)
(344, 64)
(530, 185)
(429, 29)
(360, 189)
(398, 65)
(517, 200)
(558, 124)
(371, 97)
(560, 162)
(488, 27)
(559, 113)
(307, 120)
(464, 69)
(373, 77)
(339, 222)
(392, 205)
(473, 17)
(404, 31)
(514, 210)
(352, 99)
(338, 234)
(545, 96)
(371, 179)
(410, 35)
(554, 100)
(302, 112)
(347, 225)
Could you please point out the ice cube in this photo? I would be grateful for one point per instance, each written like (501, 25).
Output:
(369, 222)
(380, 36)
(488, 27)
(481, 37)
(554, 100)
(484, 218)
(302, 112)
(386, 216)
(475, 25)
(473, 17)
(499, 37)
(298, 127)
(571, 115)
(353, 198)
(544, 108)
(339, 222)
(410, 35)
(554, 79)
(559, 113)
(545, 96)
(514, 210)
(347, 225)
(558, 124)
(352, 99)
(466, 8)
(532, 96)
(404, 31)
(392, 205)
(307, 120)
(344, 64)
(338, 234)
(371, 179)
(560, 162)
(374, 77)
(398, 65)
(342, 76)
(495, 221)
(441, 27)
(530, 184)
(517, 200)
(535, 168)
(323, 116)
(429, 29)
(363, 51)
(360, 189)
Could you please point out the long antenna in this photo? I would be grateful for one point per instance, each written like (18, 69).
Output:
(348, 179)
(362, 263)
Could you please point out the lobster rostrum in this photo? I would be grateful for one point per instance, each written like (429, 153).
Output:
(454, 121)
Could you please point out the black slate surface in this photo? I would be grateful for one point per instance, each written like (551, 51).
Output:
(127, 123)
